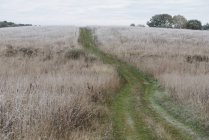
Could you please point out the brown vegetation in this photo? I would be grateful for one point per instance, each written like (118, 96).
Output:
(177, 58)
(50, 88)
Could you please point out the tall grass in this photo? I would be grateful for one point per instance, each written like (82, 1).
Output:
(179, 59)
(50, 88)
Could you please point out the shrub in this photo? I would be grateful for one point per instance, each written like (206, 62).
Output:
(28, 52)
(74, 54)
(10, 51)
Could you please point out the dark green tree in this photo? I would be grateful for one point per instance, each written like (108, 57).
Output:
(161, 21)
(194, 25)
(3, 24)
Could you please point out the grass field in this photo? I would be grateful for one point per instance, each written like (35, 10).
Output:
(103, 83)
(50, 88)
(134, 115)
(178, 59)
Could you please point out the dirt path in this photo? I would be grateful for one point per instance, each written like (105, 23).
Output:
(135, 116)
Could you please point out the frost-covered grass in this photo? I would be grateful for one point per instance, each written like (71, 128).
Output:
(178, 59)
(50, 88)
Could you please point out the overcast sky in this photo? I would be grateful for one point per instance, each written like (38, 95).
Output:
(98, 12)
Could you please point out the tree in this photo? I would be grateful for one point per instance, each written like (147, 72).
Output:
(179, 21)
(11, 24)
(3, 24)
(194, 25)
(141, 25)
(206, 26)
(133, 25)
(162, 20)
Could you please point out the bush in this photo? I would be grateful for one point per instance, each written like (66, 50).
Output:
(29, 52)
(74, 54)
(194, 25)
(10, 51)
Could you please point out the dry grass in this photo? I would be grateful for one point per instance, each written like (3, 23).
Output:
(179, 59)
(50, 88)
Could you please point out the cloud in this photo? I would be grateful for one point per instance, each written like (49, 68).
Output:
(83, 12)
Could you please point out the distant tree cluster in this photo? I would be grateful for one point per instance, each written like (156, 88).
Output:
(177, 21)
(139, 25)
(11, 24)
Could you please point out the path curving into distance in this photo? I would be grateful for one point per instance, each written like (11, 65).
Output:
(135, 115)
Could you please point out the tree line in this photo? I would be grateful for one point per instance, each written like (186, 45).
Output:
(11, 24)
(177, 21)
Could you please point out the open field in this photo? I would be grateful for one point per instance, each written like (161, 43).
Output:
(133, 113)
(116, 83)
(178, 59)
(50, 88)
